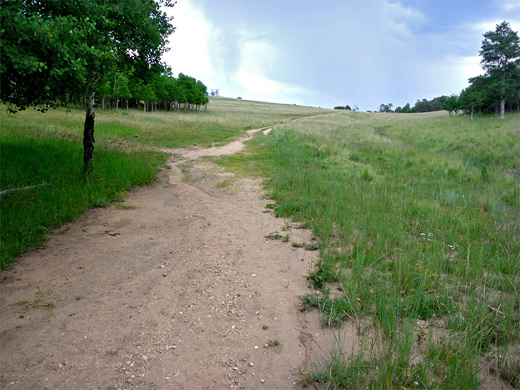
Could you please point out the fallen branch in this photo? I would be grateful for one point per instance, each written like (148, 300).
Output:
(23, 188)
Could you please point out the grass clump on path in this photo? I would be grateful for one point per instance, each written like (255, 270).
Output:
(419, 219)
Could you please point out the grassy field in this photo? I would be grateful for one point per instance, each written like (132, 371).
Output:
(418, 218)
(46, 149)
(417, 215)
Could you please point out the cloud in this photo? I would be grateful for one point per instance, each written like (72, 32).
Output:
(189, 53)
(263, 88)
(400, 19)
(510, 5)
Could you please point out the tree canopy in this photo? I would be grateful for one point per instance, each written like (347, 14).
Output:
(501, 60)
(51, 49)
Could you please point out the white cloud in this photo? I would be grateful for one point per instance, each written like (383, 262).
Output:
(510, 5)
(400, 18)
(189, 53)
(491, 25)
(257, 56)
(262, 88)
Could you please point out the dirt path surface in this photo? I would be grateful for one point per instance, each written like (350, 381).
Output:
(175, 288)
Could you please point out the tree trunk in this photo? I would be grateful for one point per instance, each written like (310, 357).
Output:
(88, 135)
(502, 108)
(471, 112)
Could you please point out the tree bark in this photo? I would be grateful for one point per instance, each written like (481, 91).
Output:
(471, 112)
(88, 135)
(502, 108)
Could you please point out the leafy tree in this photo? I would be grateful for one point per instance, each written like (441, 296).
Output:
(53, 48)
(470, 98)
(386, 107)
(145, 93)
(450, 104)
(406, 109)
(501, 60)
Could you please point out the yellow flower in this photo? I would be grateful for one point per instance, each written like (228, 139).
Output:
(358, 299)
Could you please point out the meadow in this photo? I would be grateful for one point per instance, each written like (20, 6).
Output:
(417, 218)
(47, 149)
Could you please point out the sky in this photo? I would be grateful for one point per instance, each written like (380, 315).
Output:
(325, 53)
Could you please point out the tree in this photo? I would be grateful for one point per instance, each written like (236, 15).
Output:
(386, 107)
(470, 98)
(53, 48)
(450, 104)
(406, 109)
(501, 60)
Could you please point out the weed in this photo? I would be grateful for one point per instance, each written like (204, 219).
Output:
(313, 246)
(332, 311)
(274, 236)
(125, 207)
(321, 275)
(38, 302)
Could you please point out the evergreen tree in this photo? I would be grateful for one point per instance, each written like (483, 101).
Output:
(501, 60)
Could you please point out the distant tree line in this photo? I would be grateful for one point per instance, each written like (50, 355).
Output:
(423, 105)
(160, 92)
(498, 90)
(347, 108)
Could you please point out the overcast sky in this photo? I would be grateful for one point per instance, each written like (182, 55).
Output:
(334, 52)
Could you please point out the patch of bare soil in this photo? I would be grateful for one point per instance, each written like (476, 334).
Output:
(177, 287)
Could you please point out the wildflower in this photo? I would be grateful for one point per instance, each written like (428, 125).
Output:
(450, 297)
(359, 300)
(442, 296)
(437, 297)
(304, 373)
(416, 383)
(404, 309)
(394, 375)
(460, 305)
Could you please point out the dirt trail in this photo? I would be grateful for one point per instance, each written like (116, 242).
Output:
(174, 288)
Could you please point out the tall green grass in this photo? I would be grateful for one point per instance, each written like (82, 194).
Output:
(420, 220)
(31, 160)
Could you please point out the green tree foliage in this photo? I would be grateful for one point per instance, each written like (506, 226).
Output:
(386, 107)
(450, 104)
(406, 109)
(470, 98)
(53, 48)
(501, 60)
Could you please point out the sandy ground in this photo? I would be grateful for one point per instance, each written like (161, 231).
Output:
(177, 287)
